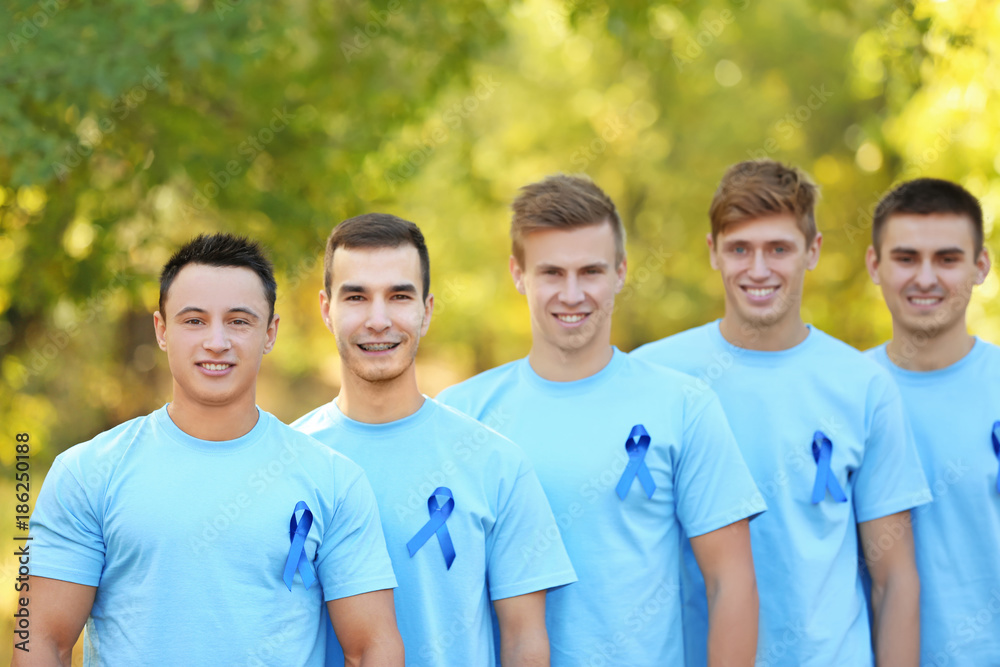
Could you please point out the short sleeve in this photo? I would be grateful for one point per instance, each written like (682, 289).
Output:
(67, 538)
(352, 559)
(524, 550)
(714, 485)
(890, 478)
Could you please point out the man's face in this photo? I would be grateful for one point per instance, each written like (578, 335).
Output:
(570, 279)
(375, 310)
(927, 269)
(215, 333)
(763, 263)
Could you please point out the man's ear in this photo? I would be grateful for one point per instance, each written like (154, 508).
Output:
(517, 273)
(324, 309)
(813, 252)
(428, 312)
(982, 266)
(621, 271)
(871, 263)
(160, 329)
(711, 251)
(272, 334)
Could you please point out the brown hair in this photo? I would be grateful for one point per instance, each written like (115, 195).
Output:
(223, 250)
(762, 188)
(563, 202)
(376, 230)
(927, 196)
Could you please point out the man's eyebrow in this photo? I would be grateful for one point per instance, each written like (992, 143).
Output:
(201, 311)
(349, 288)
(409, 288)
(903, 250)
(245, 309)
(779, 241)
(954, 250)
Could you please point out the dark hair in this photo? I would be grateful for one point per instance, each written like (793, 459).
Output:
(223, 250)
(563, 202)
(927, 196)
(376, 230)
(762, 188)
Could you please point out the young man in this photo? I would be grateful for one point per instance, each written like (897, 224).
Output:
(627, 459)
(208, 532)
(822, 429)
(460, 504)
(927, 254)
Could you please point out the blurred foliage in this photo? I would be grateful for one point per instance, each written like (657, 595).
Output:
(127, 127)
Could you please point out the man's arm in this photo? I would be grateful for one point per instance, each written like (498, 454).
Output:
(726, 563)
(366, 628)
(524, 642)
(895, 589)
(59, 610)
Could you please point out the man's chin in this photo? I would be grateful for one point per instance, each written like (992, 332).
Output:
(376, 375)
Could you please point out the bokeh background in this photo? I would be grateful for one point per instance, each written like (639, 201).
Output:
(129, 126)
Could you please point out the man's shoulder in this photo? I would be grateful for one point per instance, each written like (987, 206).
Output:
(681, 342)
(836, 353)
(991, 352)
(109, 444)
(302, 440)
(859, 373)
(313, 421)
(480, 386)
(455, 420)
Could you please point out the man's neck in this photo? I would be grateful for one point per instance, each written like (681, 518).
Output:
(213, 423)
(916, 351)
(782, 335)
(379, 402)
(558, 365)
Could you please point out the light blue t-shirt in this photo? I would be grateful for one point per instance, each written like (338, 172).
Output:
(499, 507)
(626, 608)
(186, 541)
(812, 608)
(952, 412)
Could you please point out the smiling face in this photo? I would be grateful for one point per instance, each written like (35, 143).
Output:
(763, 263)
(215, 332)
(927, 268)
(376, 311)
(570, 279)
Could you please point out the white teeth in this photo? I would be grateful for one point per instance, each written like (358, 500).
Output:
(378, 347)
(761, 292)
(215, 367)
(570, 319)
(923, 302)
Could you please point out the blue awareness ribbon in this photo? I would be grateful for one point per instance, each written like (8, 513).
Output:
(822, 450)
(996, 449)
(435, 525)
(637, 445)
(297, 533)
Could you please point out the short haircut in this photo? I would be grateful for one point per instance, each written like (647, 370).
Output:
(764, 188)
(222, 250)
(927, 196)
(563, 202)
(376, 230)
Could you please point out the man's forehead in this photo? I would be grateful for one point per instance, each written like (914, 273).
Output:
(575, 245)
(934, 230)
(214, 285)
(781, 227)
(376, 266)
